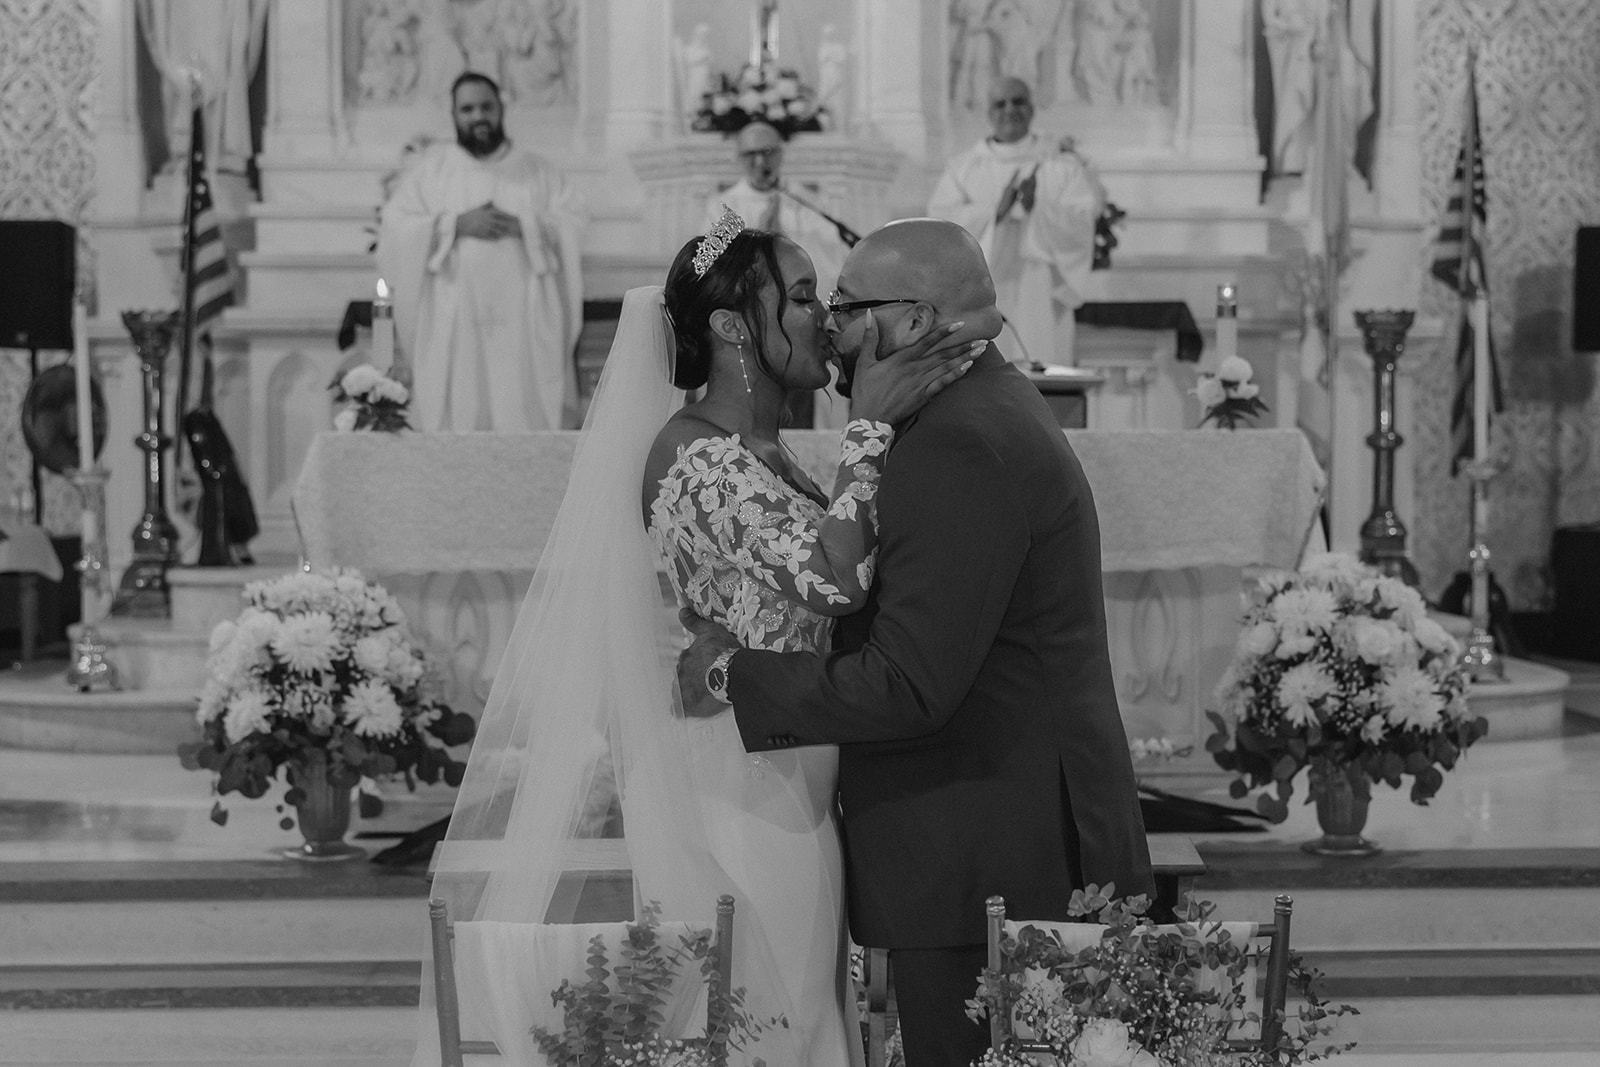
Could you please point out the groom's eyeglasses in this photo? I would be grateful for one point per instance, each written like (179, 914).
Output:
(840, 308)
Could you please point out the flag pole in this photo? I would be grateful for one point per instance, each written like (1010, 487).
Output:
(1481, 659)
(1333, 223)
(186, 325)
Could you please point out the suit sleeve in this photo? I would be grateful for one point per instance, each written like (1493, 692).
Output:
(953, 539)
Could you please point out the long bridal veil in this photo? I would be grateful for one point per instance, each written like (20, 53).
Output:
(578, 801)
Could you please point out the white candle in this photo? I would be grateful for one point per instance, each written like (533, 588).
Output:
(1227, 322)
(80, 370)
(1480, 376)
(382, 329)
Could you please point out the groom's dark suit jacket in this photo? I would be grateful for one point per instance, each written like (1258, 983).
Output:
(982, 748)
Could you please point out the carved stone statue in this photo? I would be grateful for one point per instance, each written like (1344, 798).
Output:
(1017, 39)
(694, 69)
(972, 64)
(833, 58)
(1137, 85)
(1100, 24)
(1291, 29)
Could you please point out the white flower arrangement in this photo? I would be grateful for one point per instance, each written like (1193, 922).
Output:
(1337, 665)
(1229, 396)
(320, 660)
(761, 94)
(373, 401)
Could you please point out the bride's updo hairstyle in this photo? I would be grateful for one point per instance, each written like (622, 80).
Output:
(734, 281)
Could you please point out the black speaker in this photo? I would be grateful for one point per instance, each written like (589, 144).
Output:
(38, 274)
(1586, 292)
(1575, 580)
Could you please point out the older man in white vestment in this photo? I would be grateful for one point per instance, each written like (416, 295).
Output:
(764, 203)
(1032, 205)
(480, 244)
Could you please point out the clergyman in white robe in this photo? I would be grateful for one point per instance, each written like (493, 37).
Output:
(1041, 258)
(489, 326)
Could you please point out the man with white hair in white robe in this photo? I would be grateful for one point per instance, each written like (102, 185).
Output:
(1032, 205)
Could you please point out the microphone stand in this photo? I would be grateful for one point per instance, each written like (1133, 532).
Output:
(846, 234)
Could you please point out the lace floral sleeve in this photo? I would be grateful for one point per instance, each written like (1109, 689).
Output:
(720, 500)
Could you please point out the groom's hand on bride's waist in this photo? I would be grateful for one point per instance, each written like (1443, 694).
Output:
(710, 642)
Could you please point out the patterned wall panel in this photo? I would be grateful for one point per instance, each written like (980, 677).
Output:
(1539, 95)
(48, 82)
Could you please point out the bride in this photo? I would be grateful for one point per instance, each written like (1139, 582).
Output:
(579, 743)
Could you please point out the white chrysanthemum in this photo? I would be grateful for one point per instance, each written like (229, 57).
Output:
(1300, 688)
(1410, 700)
(1335, 566)
(390, 390)
(1293, 645)
(248, 712)
(358, 379)
(344, 420)
(1259, 640)
(307, 642)
(1209, 392)
(1305, 610)
(213, 698)
(372, 710)
(1376, 641)
(1435, 638)
(404, 669)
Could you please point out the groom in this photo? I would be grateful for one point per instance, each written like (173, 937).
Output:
(982, 750)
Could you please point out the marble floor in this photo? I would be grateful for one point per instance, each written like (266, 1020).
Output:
(1533, 794)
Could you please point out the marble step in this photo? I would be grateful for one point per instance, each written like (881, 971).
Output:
(153, 654)
(205, 596)
(41, 712)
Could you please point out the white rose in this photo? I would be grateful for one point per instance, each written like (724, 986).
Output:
(358, 379)
(721, 105)
(750, 101)
(789, 87)
(391, 390)
(1435, 638)
(1209, 392)
(1374, 641)
(372, 654)
(1104, 1043)
(345, 420)
(1234, 369)
(1259, 640)
(1244, 390)
(775, 112)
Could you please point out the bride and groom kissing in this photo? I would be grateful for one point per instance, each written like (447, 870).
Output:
(898, 700)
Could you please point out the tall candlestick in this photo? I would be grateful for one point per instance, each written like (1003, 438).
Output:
(1480, 376)
(382, 329)
(80, 371)
(1227, 322)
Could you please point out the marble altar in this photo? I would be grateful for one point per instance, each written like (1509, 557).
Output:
(454, 524)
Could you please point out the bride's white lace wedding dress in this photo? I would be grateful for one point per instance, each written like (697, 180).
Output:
(765, 559)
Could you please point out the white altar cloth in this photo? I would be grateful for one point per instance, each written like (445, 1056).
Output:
(421, 503)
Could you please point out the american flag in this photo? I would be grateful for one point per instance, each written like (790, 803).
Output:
(205, 262)
(1459, 262)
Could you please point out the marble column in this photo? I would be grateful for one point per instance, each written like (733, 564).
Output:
(640, 33)
(1399, 148)
(119, 162)
(305, 79)
(1221, 60)
(889, 103)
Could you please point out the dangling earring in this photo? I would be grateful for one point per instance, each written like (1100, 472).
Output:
(745, 374)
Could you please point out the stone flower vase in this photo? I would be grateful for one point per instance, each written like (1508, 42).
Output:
(1342, 793)
(323, 811)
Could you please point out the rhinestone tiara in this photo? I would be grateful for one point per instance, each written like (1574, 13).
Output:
(713, 244)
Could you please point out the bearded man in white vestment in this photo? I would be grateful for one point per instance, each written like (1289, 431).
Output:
(1032, 205)
(480, 244)
(760, 198)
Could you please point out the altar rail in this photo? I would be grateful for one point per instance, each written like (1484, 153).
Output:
(454, 525)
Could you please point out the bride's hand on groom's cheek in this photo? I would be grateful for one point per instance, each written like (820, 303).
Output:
(710, 641)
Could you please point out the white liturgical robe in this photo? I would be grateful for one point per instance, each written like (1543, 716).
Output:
(489, 325)
(1040, 259)
(782, 213)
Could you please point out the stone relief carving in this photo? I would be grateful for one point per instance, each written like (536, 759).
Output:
(413, 49)
(1099, 52)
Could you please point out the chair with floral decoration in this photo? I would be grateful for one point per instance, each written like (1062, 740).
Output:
(1250, 1020)
(530, 959)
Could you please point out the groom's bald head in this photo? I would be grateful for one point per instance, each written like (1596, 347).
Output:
(933, 260)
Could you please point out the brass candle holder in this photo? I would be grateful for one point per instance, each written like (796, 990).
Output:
(1383, 535)
(143, 592)
(90, 669)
